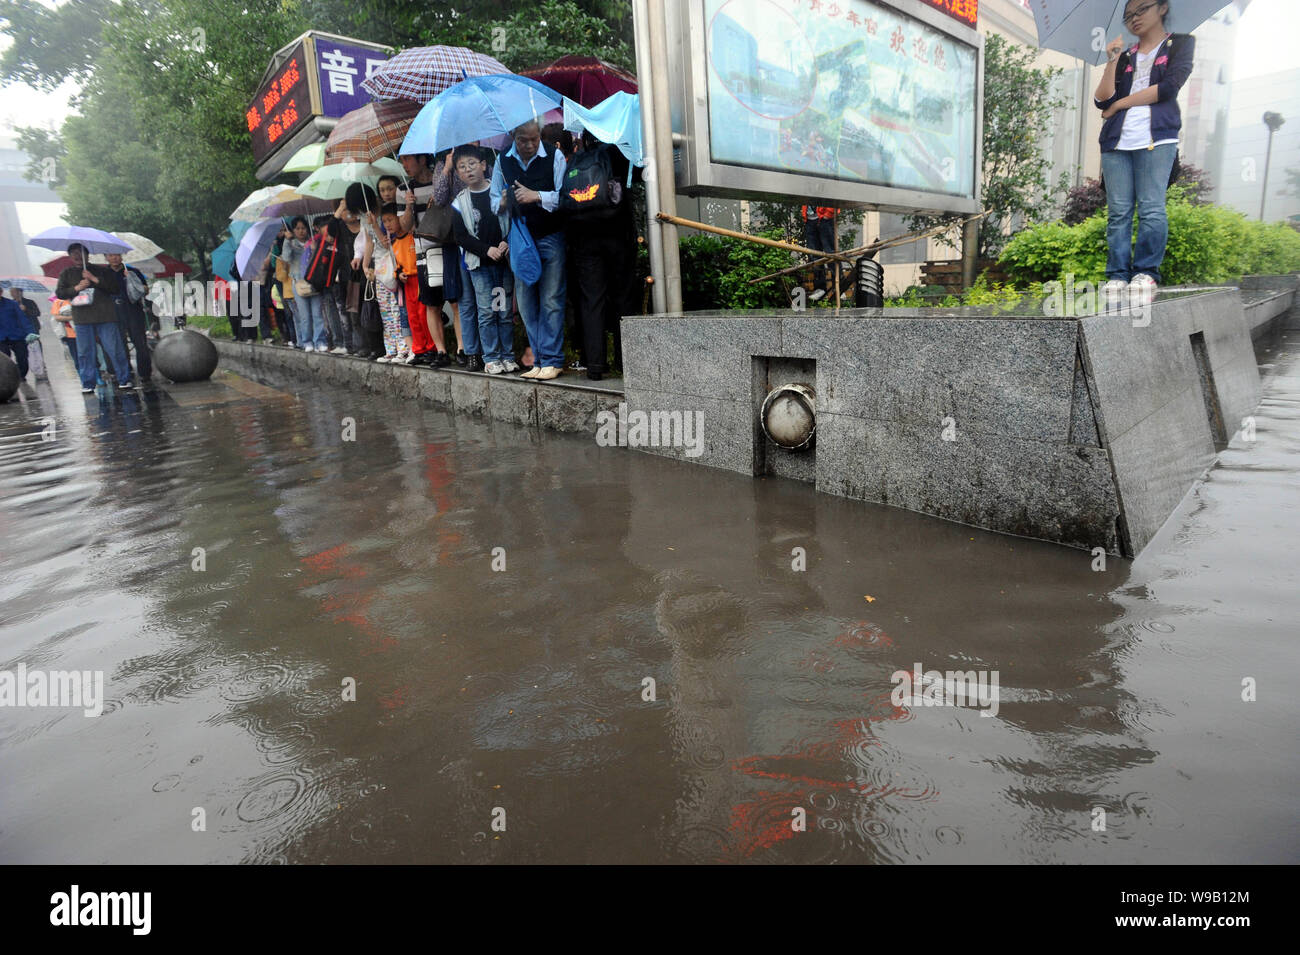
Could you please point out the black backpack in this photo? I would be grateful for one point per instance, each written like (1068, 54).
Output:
(321, 272)
(589, 186)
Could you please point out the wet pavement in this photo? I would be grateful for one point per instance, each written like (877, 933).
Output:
(501, 598)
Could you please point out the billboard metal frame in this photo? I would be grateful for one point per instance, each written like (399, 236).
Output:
(697, 174)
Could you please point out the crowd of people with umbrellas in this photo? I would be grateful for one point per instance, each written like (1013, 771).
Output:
(462, 199)
(457, 199)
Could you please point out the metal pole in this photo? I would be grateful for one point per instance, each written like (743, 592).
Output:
(1273, 121)
(970, 247)
(654, 235)
(1268, 158)
(665, 177)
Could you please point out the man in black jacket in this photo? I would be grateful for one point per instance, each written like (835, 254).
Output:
(96, 320)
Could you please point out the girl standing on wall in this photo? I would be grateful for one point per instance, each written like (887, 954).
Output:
(1139, 142)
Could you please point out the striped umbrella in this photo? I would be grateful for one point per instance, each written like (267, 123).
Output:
(30, 283)
(422, 73)
(371, 132)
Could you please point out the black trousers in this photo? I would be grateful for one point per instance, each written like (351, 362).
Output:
(134, 329)
(596, 264)
(17, 349)
(819, 234)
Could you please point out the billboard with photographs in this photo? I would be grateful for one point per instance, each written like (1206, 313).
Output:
(859, 101)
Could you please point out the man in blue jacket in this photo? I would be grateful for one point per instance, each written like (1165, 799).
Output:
(14, 329)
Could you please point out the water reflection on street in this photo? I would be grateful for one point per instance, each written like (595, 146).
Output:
(520, 692)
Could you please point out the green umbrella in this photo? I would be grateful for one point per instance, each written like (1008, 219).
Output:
(332, 181)
(308, 159)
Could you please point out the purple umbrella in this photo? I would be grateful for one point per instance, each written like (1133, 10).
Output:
(62, 236)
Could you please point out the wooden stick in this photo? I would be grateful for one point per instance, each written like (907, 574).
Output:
(854, 253)
(758, 239)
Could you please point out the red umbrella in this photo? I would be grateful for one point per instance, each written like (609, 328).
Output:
(174, 266)
(587, 80)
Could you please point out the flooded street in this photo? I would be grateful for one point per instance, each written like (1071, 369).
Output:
(503, 600)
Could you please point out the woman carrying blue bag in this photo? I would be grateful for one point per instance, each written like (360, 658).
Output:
(1139, 143)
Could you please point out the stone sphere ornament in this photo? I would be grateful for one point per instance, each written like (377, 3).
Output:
(788, 416)
(9, 378)
(186, 356)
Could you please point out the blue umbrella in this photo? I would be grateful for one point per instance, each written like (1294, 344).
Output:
(223, 259)
(477, 108)
(238, 229)
(616, 120)
(255, 244)
(60, 237)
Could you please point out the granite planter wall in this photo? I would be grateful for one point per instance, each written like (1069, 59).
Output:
(1085, 431)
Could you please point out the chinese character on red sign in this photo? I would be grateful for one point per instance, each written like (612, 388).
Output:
(966, 11)
(289, 77)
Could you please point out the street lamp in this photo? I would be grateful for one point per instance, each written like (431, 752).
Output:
(1272, 121)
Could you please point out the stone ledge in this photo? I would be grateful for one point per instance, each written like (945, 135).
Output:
(557, 405)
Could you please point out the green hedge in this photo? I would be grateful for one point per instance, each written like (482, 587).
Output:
(1208, 244)
(716, 272)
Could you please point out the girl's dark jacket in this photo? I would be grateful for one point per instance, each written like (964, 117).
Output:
(1172, 67)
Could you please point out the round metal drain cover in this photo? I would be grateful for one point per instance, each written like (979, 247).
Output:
(788, 416)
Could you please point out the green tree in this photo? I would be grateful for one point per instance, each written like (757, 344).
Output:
(1019, 109)
(50, 43)
(539, 33)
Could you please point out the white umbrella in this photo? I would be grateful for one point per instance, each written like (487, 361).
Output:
(1082, 28)
(255, 244)
(141, 248)
(250, 210)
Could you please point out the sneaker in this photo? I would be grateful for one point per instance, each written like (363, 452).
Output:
(510, 366)
(577, 366)
(412, 359)
(87, 391)
(549, 372)
(495, 368)
(384, 359)
(1142, 290)
(338, 350)
(474, 363)
(462, 359)
(440, 360)
(531, 373)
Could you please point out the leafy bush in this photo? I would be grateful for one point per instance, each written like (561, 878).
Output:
(716, 272)
(1084, 201)
(1207, 244)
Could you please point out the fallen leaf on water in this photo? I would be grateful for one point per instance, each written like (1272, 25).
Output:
(868, 598)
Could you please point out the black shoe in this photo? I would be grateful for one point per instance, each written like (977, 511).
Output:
(441, 360)
(473, 363)
(594, 375)
(463, 360)
(424, 358)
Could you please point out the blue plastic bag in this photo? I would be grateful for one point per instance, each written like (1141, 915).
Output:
(525, 260)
